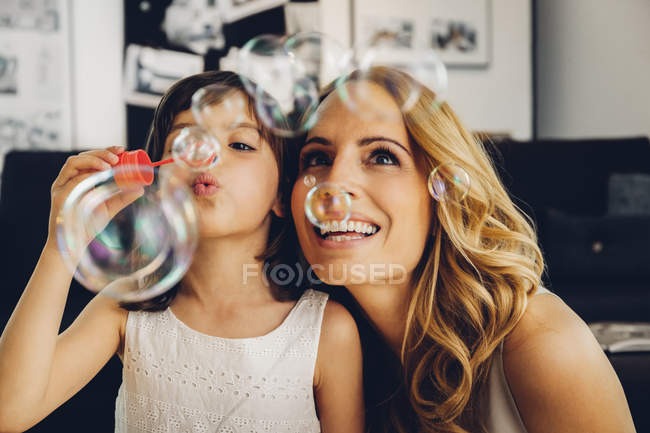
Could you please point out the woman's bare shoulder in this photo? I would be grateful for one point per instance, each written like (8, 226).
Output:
(558, 374)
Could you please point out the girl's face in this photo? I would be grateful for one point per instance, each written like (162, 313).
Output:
(372, 159)
(236, 196)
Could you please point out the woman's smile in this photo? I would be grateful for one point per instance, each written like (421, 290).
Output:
(355, 231)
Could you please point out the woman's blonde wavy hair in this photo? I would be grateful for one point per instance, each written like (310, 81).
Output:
(471, 286)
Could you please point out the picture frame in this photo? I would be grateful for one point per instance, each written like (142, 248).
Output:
(235, 10)
(458, 31)
(36, 104)
(149, 72)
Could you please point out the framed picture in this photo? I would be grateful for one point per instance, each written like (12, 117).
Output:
(35, 76)
(149, 72)
(234, 10)
(458, 31)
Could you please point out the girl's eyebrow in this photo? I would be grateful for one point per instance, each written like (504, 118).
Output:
(180, 126)
(363, 142)
(245, 125)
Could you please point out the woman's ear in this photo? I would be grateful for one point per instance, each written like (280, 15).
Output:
(278, 208)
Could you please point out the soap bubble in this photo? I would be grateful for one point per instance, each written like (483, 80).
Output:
(449, 182)
(327, 202)
(424, 66)
(286, 97)
(309, 180)
(319, 57)
(291, 115)
(205, 102)
(194, 148)
(130, 242)
(261, 61)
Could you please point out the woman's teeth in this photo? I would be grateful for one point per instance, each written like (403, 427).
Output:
(333, 230)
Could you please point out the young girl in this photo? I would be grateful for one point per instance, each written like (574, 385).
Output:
(471, 340)
(223, 350)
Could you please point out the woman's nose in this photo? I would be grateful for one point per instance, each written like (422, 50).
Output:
(345, 173)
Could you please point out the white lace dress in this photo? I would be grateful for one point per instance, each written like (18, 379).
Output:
(176, 379)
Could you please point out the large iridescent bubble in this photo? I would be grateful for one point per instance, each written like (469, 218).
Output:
(319, 57)
(130, 241)
(285, 74)
(423, 66)
(284, 96)
(209, 102)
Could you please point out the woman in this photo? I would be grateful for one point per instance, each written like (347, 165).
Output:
(471, 347)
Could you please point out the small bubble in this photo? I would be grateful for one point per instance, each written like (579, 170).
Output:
(327, 202)
(309, 180)
(449, 182)
(194, 148)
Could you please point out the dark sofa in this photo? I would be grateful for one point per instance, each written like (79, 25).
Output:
(597, 247)
(601, 274)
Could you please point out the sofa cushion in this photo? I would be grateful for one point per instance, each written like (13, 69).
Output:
(591, 248)
(629, 194)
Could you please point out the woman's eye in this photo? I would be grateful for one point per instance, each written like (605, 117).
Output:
(313, 159)
(383, 157)
(241, 146)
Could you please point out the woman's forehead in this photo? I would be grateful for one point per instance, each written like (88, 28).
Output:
(372, 109)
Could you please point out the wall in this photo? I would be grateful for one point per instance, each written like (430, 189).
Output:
(498, 98)
(99, 115)
(593, 68)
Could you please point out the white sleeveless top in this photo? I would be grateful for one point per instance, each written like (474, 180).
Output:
(176, 379)
(502, 412)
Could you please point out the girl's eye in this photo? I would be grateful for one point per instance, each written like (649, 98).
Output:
(383, 156)
(241, 146)
(316, 158)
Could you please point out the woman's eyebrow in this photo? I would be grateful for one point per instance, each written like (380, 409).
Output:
(320, 140)
(363, 142)
(369, 140)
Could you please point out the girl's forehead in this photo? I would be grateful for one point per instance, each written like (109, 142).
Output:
(222, 115)
(184, 116)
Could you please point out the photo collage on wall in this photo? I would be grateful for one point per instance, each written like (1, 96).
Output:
(458, 31)
(35, 97)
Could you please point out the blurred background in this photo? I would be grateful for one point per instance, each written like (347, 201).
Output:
(558, 88)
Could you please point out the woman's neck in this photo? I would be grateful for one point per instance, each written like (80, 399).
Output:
(225, 272)
(387, 307)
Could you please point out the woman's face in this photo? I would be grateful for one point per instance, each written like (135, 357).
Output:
(236, 196)
(372, 159)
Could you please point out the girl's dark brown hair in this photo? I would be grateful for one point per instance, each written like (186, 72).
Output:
(282, 243)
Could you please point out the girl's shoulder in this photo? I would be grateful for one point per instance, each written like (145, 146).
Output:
(339, 345)
(106, 312)
(336, 319)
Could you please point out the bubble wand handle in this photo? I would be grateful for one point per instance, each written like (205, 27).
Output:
(163, 162)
